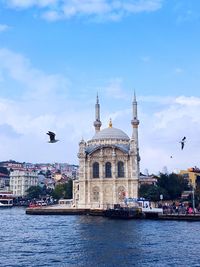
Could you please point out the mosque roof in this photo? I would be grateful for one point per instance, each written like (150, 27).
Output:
(110, 133)
(122, 147)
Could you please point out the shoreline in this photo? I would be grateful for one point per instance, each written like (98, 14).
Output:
(60, 210)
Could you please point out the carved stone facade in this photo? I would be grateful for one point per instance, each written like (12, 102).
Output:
(108, 168)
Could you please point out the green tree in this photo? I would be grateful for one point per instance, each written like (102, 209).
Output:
(170, 186)
(173, 184)
(34, 192)
(58, 192)
(63, 190)
(152, 192)
(68, 189)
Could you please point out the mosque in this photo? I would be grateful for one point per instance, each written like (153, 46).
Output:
(108, 165)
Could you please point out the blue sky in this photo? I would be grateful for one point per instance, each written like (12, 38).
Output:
(56, 55)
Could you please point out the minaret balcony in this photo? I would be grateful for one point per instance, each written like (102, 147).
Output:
(135, 122)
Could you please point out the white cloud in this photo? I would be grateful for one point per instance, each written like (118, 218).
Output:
(162, 130)
(141, 6)
(31, 3)
(43, 103)
(188, 101)
(25, 120)
(4, 27)
(97, 9)
(36, 82)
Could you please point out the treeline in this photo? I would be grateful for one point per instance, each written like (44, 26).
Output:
(60, 191)
(169, 186)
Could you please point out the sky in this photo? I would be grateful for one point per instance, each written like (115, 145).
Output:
(56, 55)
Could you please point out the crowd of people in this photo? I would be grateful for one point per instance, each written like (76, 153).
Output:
(178, 208)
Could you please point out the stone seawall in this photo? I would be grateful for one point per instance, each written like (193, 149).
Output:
(60, 210)
(56, 211)
(179, 217)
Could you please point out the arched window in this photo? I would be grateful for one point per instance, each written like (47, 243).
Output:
(95, 194)
(108, 171)
(120, 169)
(96, 170)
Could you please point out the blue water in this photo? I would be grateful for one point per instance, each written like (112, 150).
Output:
(63, 241)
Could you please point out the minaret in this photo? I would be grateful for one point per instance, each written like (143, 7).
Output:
(135, 122)
(97, 122)
(134, 147)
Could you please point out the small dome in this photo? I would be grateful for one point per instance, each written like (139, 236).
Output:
(111, 133)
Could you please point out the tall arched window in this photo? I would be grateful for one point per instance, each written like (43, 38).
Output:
(120, 169)
(96, 170)
(108, 170)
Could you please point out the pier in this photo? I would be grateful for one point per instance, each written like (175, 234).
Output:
(60, 210)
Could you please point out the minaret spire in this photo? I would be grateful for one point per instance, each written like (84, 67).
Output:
(135, 122)
(97, 122)
(134, 140)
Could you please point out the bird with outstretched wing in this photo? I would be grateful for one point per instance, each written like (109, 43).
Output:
(52, 137)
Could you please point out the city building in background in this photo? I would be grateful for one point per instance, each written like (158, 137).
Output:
(147, 179)
(192, 175)
(21, 181)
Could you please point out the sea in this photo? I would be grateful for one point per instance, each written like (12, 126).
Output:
(56, 240)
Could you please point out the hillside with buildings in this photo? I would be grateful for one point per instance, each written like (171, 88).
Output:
(18, 177)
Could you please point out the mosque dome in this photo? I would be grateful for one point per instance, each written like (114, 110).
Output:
(111, 133)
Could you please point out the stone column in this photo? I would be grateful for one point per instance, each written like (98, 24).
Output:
(114, 175)
(101, 162)
(89, 181)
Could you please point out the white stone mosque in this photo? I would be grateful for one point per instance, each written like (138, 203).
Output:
(108, 165)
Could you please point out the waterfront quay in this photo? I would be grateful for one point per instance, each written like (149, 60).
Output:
(60, 210)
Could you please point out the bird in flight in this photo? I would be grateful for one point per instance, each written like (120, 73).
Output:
(183, 142)
(52, 137)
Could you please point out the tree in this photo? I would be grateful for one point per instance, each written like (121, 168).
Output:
(69, 189)
(173, 184)
(63, 190)
(58, 192)
(152, 192)
(34, 192)
(170, 186)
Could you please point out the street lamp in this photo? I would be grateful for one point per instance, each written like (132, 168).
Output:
(193, 200)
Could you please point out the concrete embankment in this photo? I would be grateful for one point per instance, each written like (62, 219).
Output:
(60, 210)
(55, 211)
(179, 217)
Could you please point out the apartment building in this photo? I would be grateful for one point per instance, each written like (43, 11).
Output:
(21, 180)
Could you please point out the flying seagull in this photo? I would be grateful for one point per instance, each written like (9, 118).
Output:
(52, 137)
(183, 142)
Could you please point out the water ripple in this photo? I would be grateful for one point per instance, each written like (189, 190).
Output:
(65, 241)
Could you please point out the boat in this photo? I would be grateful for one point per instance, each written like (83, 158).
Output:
(134, 208)
(149, 211)
(6, 199)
